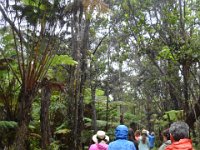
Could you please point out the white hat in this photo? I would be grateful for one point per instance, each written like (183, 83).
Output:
(100, 135)
(145, 131)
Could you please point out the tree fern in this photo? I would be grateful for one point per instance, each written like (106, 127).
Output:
(8, 124)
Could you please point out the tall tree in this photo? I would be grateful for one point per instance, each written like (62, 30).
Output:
(33, 25)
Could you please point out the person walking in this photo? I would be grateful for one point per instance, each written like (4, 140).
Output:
(144, 141)
(179, 135)
(100, 140)
(166, 139)
(121, 142)
(137, 135)
(151, 140)
(131, 137)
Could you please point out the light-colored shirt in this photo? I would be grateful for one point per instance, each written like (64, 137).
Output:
(143, 146)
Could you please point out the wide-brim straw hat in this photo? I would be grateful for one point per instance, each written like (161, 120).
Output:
(100, 135)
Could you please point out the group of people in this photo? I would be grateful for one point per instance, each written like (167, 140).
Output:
(177, 137)
(174, 138)
(143, 140)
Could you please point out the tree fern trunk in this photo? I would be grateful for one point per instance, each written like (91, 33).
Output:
(25, 101)
(44, 117)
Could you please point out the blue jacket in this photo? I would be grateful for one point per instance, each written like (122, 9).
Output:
(151, 141)
(121, 142)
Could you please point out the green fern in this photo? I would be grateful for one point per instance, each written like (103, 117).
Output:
(8, 124)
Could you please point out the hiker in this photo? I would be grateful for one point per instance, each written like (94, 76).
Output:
(166, 139)
(179, 135)
(151, 139)
(131, 137)
(137, 135)
(144, 141)
(100, 140)
(121, 142)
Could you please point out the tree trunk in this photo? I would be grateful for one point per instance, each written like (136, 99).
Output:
(174, 91)
(186, 70)
(71, 109)
(148, 112)
(173, 97)
(74, 84)
(44, 117)
(74, 94)
(107, 101)
(93, 87)
(94, 115)
(83, 67)
(121, 118)
(80, 36)
(193, 114)
(25, 100)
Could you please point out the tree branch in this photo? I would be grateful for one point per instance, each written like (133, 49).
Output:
(11, 23)
(99, 44)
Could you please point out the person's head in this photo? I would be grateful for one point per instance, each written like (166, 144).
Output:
(152, 133)
(179, 130)
(130, 134)
(137, 133)
(100, 136)
(121, 132)
(166, 135)
(144, 135)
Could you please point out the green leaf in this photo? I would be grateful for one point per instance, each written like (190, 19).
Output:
(8, 124)
(62, 131)
(175, 115)
(165, 53)
(31, 127)
(99, 92)
(63, 60)
(34, 3)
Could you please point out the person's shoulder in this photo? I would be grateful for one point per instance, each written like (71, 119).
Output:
(169, 147)
(162, 147)
(139, 138)
(168, 142)
(92, 147)
(121, 141)
(130, 144)
(111, 143)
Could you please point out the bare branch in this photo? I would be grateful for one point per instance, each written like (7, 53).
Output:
(99, 44)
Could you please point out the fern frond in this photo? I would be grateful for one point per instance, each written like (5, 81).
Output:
(8, 124)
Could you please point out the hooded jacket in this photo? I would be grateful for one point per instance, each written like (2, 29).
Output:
(100, 146)
(121, 142)
(182, 144)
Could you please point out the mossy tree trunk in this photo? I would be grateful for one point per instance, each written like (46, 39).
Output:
(24, 115)
(44, 117)
(80, 36)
